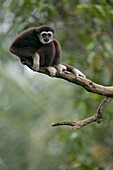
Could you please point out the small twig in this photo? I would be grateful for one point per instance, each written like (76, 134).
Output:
(97, 117)
(64, 123)
(77, 124)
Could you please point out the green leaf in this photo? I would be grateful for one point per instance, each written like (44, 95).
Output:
(101, 10)
(81, 7)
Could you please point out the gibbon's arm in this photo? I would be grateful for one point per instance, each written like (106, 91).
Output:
(26, 52)
(57, 52)
(61, 66)
(22, 51)
(57, 63)
(24, 46)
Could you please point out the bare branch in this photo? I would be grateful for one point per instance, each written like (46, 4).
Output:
(77, 124)
(102, 107)
(97, 117)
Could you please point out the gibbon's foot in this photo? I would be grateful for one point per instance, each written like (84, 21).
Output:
(51, 70)
(35, 67)
(60, 68)
(78, 73)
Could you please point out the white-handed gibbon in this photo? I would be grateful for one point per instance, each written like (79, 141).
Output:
(38, 44)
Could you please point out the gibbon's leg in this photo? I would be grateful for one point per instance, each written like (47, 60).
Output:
(75, 71)
(36, 62)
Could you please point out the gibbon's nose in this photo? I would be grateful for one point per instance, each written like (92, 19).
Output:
(46, 39)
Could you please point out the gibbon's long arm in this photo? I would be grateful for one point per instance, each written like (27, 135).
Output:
(27, 52)
(61, 66)
(24, 46)
(57, 59)
(22, 52)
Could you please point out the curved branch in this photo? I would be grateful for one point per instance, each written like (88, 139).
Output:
(97, 117)
(84, 82)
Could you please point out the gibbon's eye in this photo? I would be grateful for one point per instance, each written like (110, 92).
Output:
(44, 35)
(49, 34)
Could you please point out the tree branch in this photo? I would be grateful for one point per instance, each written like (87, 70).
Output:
(84, 82)
(97, 117)
(90, 87)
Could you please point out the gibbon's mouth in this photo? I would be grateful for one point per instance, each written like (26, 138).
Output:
(46, 40)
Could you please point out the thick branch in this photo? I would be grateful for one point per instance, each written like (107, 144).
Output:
(84, 82)
(97, 117)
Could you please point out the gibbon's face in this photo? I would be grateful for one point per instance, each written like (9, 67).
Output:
(46, 37)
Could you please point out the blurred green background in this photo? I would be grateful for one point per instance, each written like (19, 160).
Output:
(30, 102)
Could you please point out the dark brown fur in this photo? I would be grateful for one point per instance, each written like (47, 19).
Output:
(27, 43)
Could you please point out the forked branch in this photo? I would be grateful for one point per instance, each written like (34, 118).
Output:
(97, 117)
